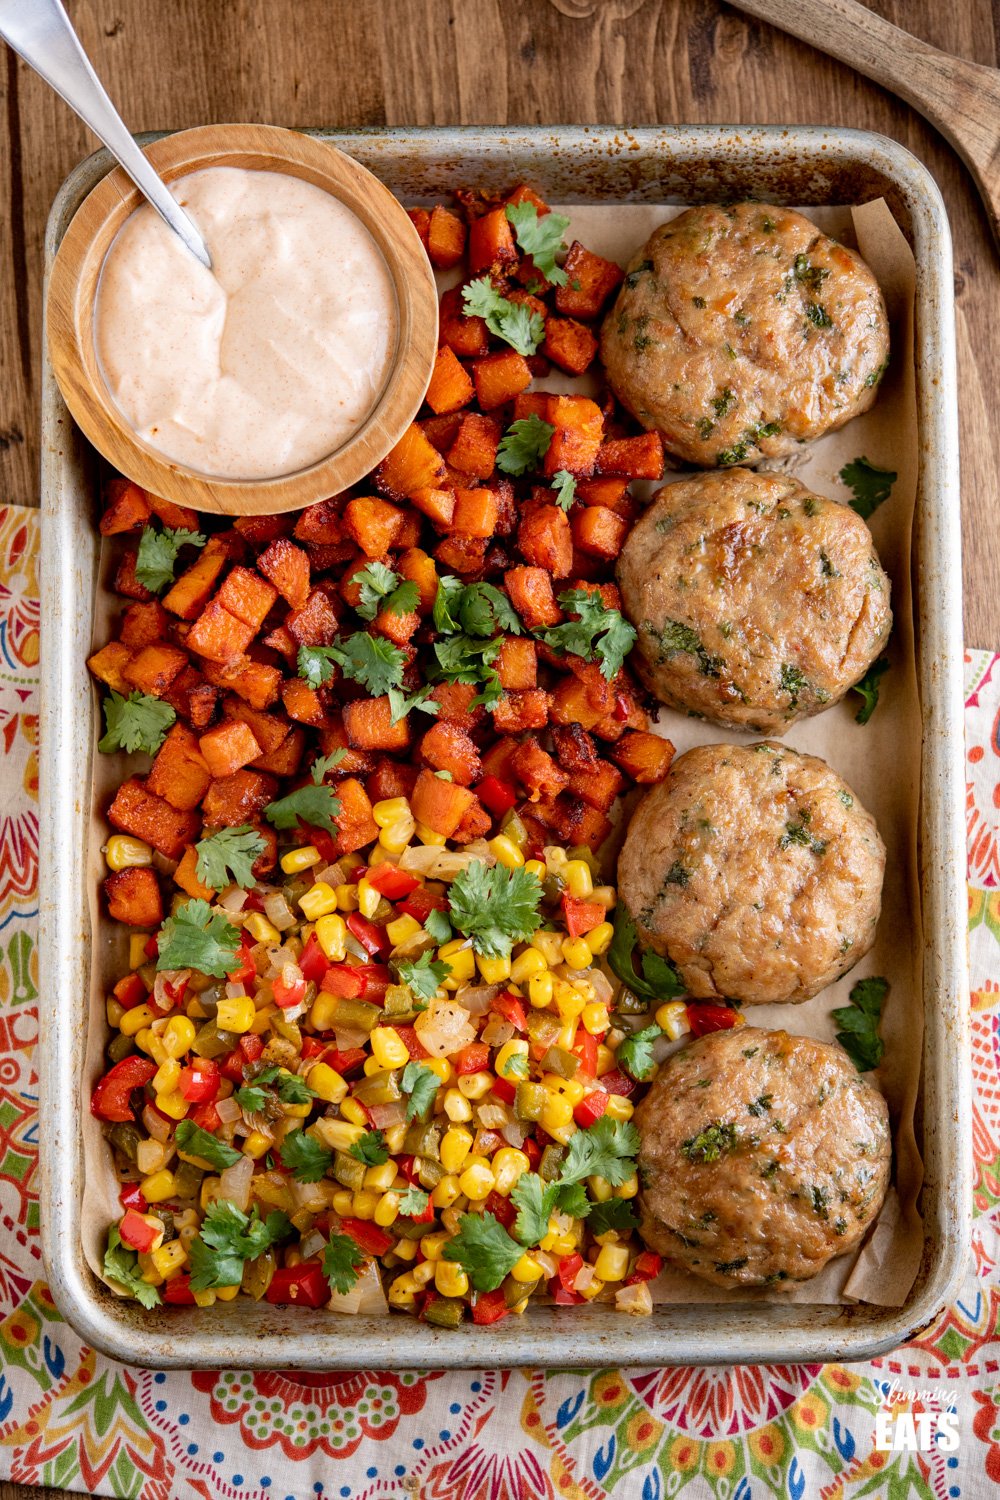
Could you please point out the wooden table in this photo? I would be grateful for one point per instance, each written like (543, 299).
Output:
(388, 62)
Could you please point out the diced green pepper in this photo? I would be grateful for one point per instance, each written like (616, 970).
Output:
(445, 1312)
(529, 1101)
(348, 1171)
(551, 1163)
(628, 1004)
(544, 1027)
(515, 830)
(121, 1046)
(423, 1140)
(356, 1015)
(187, 1180)
(429, 1172)
(125, 1138)
(564, 1064)
(516, 1291)
(379, 1088)
(211, 1042)
(258, 1274)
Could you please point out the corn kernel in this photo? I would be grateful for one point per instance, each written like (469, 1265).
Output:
(318, 900)
(541, 988)
(559, 1243)
(260, 929)
(494, 970)
(394, 1137)
(205, 1298)
(368, 898)
(612, 1263)
(672, 1019)
(382, 1177)
(549, 945)
(405, 1250)
(461, 962)
(365, 1203)
(579, 881)
(593, 1290)
(173, 1104)
(475, 1085)
(354, 1112)
(137, 949)
(167, 1076)
(423, 1273)
(397, 836)
(331, 934)
(557, 1111)
(456, 1106)
(257, 1144)
(339, 1135)
(594, 1017)
(576, 952)
(326, 1083)
(386, 1210)
(605, 1061)
(297, 860)
(619, 1108)
(450, 1280)
(236, 1014)
(297, 1111)
(433, 1244)
(567, 1037)
(526, 1269)
(343, 1200)
(477, 1181)
(322, 1011)
(124, 852)
(505, 1065)
(428, 836)
(570, 1088)
(440, 1067)
(136, 1019)
(158, 1188)
(390, 810)
(600, 1189)
(402, 928)
(388, 1047)
(150, 1275)
(507, 1166)
(114, 1011)
(456, 1143)
(227, 1293)
(178, 1034)
(537, 868)
(604, 895)
(146, 1040)
(556, 858)
(569, 1003)
(347, 898)
(629, 1187)
(403, 1291)
(446, 1191)
(262, 1019)
(169, 1258)
(506, 852)
(526, 964)
(599, 938)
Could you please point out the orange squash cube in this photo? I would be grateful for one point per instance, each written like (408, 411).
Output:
(368, 725)
(247, 596)
(569, 344)
(517, 664)
(530, 591)
(450, 387)
(439, 805)
(632, 458)
(240, 798)
(285, 759)
(544, 538)
(287, 567)
(590, 280)
(446, 236)
(474, 450)
(108, 665)
(142, 624)
(467, 337)
(354, 821)
(447, 747)
(517, 711)
(598, 531)
(218, 635)
(255, 681)
(322, 523)
(316, 624)
(154, 668)
(188, 596)
(186, 876)
(475, 512)
(491, 244)
(127, 508)
(414, 464)
(576, 441)
(179, 774)
(500, 377)
(643, 756)
(228, 747)
(133, 896)
(138, 811)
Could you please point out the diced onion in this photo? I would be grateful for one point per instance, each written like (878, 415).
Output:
(636, 1299)
(234, 1183)
(235, 991)
(584, 1277)
(548, 1262)
(444, 1027)
(477, 998)
(167, 984)
(282, 958)
(346, 1038)
(437, 863)
(492, 1116)
(332, 875)
(385, 1116)
(366, 1295)
(151, 1155)
(603, 988)
(497, 1031)
(158, 1127)
(278, 911)
(312, 1244)
(228, 1110)
(514, 1133)
(232, 900)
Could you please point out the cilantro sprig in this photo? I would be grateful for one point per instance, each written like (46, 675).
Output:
(514, 322)
(597, 633)
(484, 1250)
(495, 907)
(541, 237)
(606, 1150)
(413, 1202)
(869, 485)
(203, 1144)
(370, 660)
(314, 803)
(565, 487)
(635, 1053)
(306, 1158)
(382, 589)
(342, 1262)
(859, 1023)
(227, 1239)
(156, 558)
(121, 1265)
(137, 722)
(424, 975)
(658, 979)
(227, 857)
(197, 938)
(371, 1149)
(422, 1085)
(524, 445)
(290, 1088)
(868, 687)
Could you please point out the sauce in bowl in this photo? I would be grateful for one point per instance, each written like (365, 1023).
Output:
(269, 362)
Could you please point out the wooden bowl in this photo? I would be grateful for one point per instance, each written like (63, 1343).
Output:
(73, 289)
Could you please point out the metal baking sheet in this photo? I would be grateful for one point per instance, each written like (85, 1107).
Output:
(796, 165)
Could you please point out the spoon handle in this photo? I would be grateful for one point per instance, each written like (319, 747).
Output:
(42, 33)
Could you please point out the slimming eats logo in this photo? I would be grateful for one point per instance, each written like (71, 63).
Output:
(909, 1431)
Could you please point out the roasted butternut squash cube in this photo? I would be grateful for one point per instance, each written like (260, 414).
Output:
(287, 567)
(259, 530)
(500, 377)
(632, 458)
(474, 451)
(133, 896)
(240, 798)
(218, 635)
(531, 593)
(455, 703)
(126, 508)
(154, 668)
(373, 524)
(643, 756)
(569, 344)
(492, 248)
(418, 566)
(461, 554)
(447, 747)
(475, 512)
(177, 517)
(590, 280)
(190, 593)
(357, 827)
(179, 773)
(316, 623)
(255, 681)
(138, 811)
(285, 759)
(450, 386)
(414, 464)
(269, 730)
(247, 596)
(536, 770)
(126, 582)
(334, 737)
(304, 703)
(446, 236)
(440, 805)
(229, 747)
(544, 538)
(368, 725)
(186, 876)
(467, 337)
(476, 823)
(599, 531)
(517, 664)
(108, 665)
(322, 523)
(598, 786)
(142, 624)
(201, 702)
(576, 441)
(517, 711)
(390, 778)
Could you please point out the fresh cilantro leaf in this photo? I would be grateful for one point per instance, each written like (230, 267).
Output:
(571, 1198)
(413, 1202)
(659, 980)
(524, 445)
(541, 237)
(615, 1214)
(598, 633)
(201, 1143)
(462, 658)
(342, 1262)
(382, 589)
(291, 1088)
(324, 764)
(227, 857)
(137, 722)
(424, 976)
(534, 1200)
(712, 1142)
(482, 610)
(371, 660)
(868, 687)
(437, 924)
(869, 485)
(122, 1266)
(315, 664)
(227, 1238)
(404, 598)
(444, 775)
(422, 1085)
(513, 322)
(197, 938)
(859, 1023)
(315, 803)
(157, 555)
(447, 602)
(565, 487)
(371, 1149)
(400, 703)
(495, 906)
(606, 1150)
(635, 1053)
(484, 1249)
(306, 1158)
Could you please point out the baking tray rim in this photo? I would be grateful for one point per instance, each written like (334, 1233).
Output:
(767, 1333)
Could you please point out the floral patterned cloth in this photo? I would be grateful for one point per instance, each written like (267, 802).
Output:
(71, 1419)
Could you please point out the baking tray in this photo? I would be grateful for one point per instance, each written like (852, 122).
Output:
(796, 165)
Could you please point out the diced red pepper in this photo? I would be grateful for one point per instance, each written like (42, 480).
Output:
(648, 1266)
(532, 1151)
(137, 1233)
(496, 795)
(425, 1216)
(617, 1082)
(489, 1307)
(504, 1090)
(245, 971)
(377, 981)
(130, 991)
(472, 1059)
(510, 1007)
(247, 1050)
(314, 962)
(152, 947)
(373, 939)
(324, 843)
(367, 1236)
(177, 1291)
(313, 1047)
(501, 1207)
(287, 995)
(585, 1048)
(303, 1286)
(562, 1298)
(110, 1099)
(421, 902)
(346, 1062)
(131, 1197)
(590, 1108)
(408, 1166)
(391, 882)
(705, 1017)
(581, 916)
(346, 981)
(567, 1270)
(414, 1046)
(254, 901)
(206, 1117)
(200, 1082)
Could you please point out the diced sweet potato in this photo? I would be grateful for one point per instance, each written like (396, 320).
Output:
(178, 694)
(533, 404)
(517, 711)
(500, 377)
(247, 596)
(137, 811)
(418, 566)
(240, 798)
(202, 699)
(613, 494)
(536, 770)
(476, 823)
(576, 441)
(285, 759)
(304, 703)
(590, 280)
(569, 344)
(255, 681)
(334, 737)
(455, 703)
(437, 505)
(467, 337)
(322, 522)
(259, 530)
(598, 786)
(446, 235)
(530, 591)
(598, 531)
(108, 665)
(142, 624)
(517, 664)
(475, 512)
(525, 194)
(186, 876)
(127, 508)
(287, 567)
(397, 626)
(229, 747)
(218, 635)
(491, 244)
(326, 555)
(632, 458)
(280, 639)
(421, 221)
(180, 773)
(474, 450)
(573, 703)
(268, 858)
(574, 747)
(576, 823)
(450, 387)
(154, 668)
(189, 594)
(414, 464)
(373, 524)
(609, 593)
(442, 431)
(461, 554)
(390, 778)
(643, 756)
(447, 747)
(125, 580)
(316, 624)
(268, 729)
(368, 725)
(627, 712)
(354, 820)
(177, 517)
(439, 805)
(544, 538)
(133, 896)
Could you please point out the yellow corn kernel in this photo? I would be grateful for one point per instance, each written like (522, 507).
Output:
(136, 1020)
(505, 1065)
(475, 1085)
(440, 1066)
(386, 1210)
(605, 895)
(506, 852)
(537, 868)
(236, 1014)
(593, 1290)
(541, 988)
(262, 1019)
(583, 987)
(494, 970)
(619, 1108)
(318, 900)
(354, 1111)
(526, 1269)
(331, 933)
(402, 928)
(339, 1135)
(347, 898)
(394, 1137)
(477, 1181)
(605, 1061)
(326, 1083)
(368, 898)
(114, 1011)
(394, 839)
(382, 1177)
(150, 1275)
(600, 1189)
(557, 1111)
(124, 852)
(433, 1244)
(297, 1111)
(567, 1037)
(169, 1258)
(260, 929)
(579, 880)
(576, 953)
(178, 1034)
(159, 1187)
(446, 1191)
(388, 1047)
(167, 1076)
(558, 1242)
(297, 860)
(405, 1249)
(672, 1018)
(569, 1088)
(343, 1200)
(599, 938)
(449, 1279)
(205, 1298)
(403, 1291)
(456, 1106)
(569, 1003)
(528, 963)
(461, 962)
(629, 1187)
(507, 1166)
(390, 810)
(556, 858)
(372, 1065)
(594, 1017)
(173, 1104)
(365, 1203)
(456, 1143)
(549, 945)
(428, 836)
(322, 1011)
(423, 1273)
(257, 1144)
(227, 1293)
(612, 1263)
(137, 949)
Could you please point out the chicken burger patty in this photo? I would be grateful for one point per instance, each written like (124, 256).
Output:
(740, 332)
(762, 1157)
(755, 871)
(756, 602)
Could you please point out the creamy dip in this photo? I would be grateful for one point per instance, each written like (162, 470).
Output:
(268, 362)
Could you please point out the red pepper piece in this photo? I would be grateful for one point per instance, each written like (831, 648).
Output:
(510, 1007)
(206, 1117)
(152, 947)
(313, 1047)
(421, 902)
(177, 1291)
(489, 1307)
(371, 938)
(314, 962)
(496, 795)
(110, 1099)
(346, 981)
(705, 1017)
(472, 1059)
(323, 842)
(245, 970)
(367, 1236)
(590, 1108)
(616, 1082)
(131, 1197)
(567, 1269)
(408, 1166)
(585, 1048)
(200, 1082)
(136, 1233)
(562, 1298)
(130, 991)
(426, 1215)
(532, 1151)
(504, 1090)
(414, 1046)
(247, 1050)
(303, 1286)
(391, 882)
(647, 1266)
(345, 1062)
(376, 981)
(287, 995)
(581, 916)
(501, 1207)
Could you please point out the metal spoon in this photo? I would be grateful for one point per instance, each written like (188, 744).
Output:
(41, 32)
